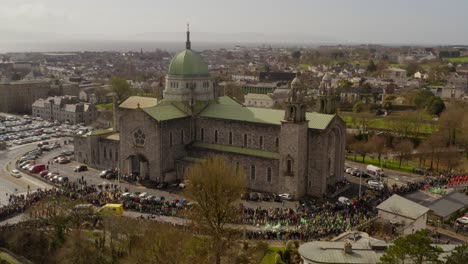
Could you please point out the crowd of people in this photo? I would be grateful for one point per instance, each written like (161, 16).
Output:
(304, 223)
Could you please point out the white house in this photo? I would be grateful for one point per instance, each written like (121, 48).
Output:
(399, 210)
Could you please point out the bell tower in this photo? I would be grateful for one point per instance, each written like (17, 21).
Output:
(328, 100)
(294, 142)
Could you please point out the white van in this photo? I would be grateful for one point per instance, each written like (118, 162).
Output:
(375, 171)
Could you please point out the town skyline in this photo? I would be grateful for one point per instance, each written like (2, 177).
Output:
(302, 22)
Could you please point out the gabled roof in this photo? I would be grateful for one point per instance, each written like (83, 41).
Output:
(402, 207)
(164, 112)
(448, 204)
(133, 102)
(235, 111)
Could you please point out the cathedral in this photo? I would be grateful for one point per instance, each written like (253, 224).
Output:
(280, 151)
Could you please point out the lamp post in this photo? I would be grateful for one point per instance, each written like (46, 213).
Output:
(360, 175)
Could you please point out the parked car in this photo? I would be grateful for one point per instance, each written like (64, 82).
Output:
(375, 184)
(81, 168)
(463, 220)
(15, 173)
(253, 196)
(162, 185)
(43, 173)
(67, 152)
(63, 160)
(285, 196)
(37, 168)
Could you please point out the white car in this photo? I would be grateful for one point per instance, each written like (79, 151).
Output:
(463, 220)
(285, 196)
(15, 173)
(376, 185)
(344, 200)
(143, 195)
(349, 170)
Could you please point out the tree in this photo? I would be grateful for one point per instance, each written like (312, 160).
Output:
(458, 256)
(422, 97)
(412, 68)
(378, 144)
(451, 123)
(435, 106)
(360, 107)
(371, 67)
(362, 148)
(404, 149)
(215, 186)
(296, 54)
(415, 248)
(121, 88)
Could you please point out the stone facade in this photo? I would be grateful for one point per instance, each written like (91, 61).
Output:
(65, 108)
(18, 97)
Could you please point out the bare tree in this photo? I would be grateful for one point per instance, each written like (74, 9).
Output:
(404, 149)
(378, 146)
(215, 186)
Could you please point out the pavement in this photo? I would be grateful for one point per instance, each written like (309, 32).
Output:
(10, 184)
(92, 177)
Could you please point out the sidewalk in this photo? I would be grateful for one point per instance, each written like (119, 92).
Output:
(449, 233)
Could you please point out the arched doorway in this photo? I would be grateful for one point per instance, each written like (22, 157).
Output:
(138, 165)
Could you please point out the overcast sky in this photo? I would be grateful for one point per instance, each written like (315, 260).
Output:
(359, 21)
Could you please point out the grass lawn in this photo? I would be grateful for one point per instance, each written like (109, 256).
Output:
(382, 123)
(106, 107)
(271, 255)
(459, 59)
(389, 164)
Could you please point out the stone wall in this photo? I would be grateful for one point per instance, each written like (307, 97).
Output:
(253, 131)
(260, 181)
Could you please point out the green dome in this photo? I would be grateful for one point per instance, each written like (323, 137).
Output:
(188, 64)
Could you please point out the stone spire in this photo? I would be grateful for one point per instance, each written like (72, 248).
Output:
(187, 43)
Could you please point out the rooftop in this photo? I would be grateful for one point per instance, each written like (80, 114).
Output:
(237, 150)
(134, 102)
(402, 207)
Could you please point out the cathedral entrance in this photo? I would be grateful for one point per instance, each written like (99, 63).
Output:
(138, 165)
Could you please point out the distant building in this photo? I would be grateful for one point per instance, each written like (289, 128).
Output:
(398, 210)
(17, 97)
(395, 74)
(259, 100)
(65, 108)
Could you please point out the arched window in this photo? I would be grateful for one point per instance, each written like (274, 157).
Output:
(260, 141)
(202, 134)
(252, 172)
(170, 138)
(230, 138)
(216, 136)
(277, 142)
(289, 166)
(182, 137)
(269, 174)
(139, 137)
(245, 140)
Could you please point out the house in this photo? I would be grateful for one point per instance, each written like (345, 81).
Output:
(401, 211)
(395, 74)
(444, 207)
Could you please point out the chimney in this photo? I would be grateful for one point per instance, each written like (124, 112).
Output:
(348, 248)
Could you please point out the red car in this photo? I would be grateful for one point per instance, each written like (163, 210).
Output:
(43, 173)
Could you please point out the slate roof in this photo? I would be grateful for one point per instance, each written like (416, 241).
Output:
(237, 150)
(402, 207)
(448, 204)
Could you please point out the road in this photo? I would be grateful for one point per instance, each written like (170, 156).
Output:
(92, 177)
(12, 185)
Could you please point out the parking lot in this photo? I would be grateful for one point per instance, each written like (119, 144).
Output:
(16, 131)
